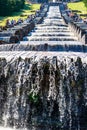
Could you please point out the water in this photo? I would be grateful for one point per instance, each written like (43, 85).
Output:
(51, 35)
(3, 128)
(50, 46)
(42, 86)
(43, 91)
(52, 22)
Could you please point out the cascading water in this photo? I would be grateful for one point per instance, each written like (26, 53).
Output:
(40, 92)
(52, 22)
(51, 35)
(44, 90)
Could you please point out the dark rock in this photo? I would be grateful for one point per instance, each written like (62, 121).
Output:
(14, 39)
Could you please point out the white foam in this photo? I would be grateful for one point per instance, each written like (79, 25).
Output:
(7, 128)
(3, 128)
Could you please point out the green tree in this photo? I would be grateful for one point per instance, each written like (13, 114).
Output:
(7, 7)
(85, 2)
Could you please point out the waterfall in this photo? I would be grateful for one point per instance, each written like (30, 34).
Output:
(43, 80)
(40, 92)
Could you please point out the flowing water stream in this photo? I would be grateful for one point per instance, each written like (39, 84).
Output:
(44, 88)
(43, 91)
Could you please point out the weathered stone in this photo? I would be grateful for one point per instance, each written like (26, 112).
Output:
(14, 39)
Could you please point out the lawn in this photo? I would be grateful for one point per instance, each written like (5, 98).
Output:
(28, 9)
(79, 7)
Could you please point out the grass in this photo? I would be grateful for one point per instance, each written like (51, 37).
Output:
(79, 7)
(28, 9)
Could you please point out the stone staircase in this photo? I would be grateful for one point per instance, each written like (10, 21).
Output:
(45, 63)
(53, 28)
(52, 34)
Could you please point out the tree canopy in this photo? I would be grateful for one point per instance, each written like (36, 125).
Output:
(7, 7)
(85, 2)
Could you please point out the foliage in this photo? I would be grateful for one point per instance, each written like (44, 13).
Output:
(34, 98)
(23, 13)
(85, 2)
(7, 7)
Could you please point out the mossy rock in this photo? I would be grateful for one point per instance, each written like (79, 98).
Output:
(34, 98)
(73, 83)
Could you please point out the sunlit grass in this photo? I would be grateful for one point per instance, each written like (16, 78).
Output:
(28, 9)
(79, 6)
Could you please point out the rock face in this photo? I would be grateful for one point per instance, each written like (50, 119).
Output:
(48, 93)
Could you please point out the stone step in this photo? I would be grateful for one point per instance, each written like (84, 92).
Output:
(52, 24)
(51, 31)
(53, 38)
(51, 27)
(12, 55)
(51, 43)
(51, 34)
(53, 19)
(64, 46)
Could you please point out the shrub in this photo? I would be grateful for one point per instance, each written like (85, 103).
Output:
(7, 7)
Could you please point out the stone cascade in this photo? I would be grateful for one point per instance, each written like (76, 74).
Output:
(43, 91)
(53, 22)
(52, 34)
(43, 86)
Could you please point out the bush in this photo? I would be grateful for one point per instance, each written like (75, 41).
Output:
(85, 2)
(7, 7)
